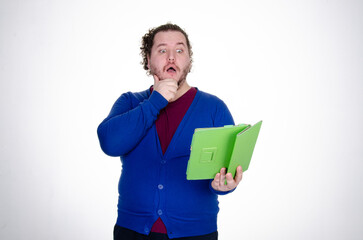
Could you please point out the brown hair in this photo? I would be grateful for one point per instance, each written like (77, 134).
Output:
(148, 41)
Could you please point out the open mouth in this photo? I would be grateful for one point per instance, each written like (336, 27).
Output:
(171, 70)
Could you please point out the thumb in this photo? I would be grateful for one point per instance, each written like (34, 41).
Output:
(156, 79)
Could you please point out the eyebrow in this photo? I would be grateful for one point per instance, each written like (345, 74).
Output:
(164, 44)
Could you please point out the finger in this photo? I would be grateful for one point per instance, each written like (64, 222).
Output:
(230, 181)
(222, 177)
(170, 94)
(215, 182)
(166, 83)
(239, 174)
(171, 82)
(173, 89)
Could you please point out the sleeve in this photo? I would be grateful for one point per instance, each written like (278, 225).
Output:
(126, 124)
(222, 117)
(219, 192)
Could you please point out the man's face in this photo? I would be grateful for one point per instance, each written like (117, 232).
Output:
(170, 56)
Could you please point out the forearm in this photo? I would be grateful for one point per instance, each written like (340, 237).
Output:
(125, 126)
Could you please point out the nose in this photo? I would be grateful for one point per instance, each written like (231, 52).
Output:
(171, 57)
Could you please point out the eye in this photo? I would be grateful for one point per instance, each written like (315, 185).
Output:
(179, 50)
(162, 51)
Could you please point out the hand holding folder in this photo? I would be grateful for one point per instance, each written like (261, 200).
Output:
(222, 147)
(223, 182)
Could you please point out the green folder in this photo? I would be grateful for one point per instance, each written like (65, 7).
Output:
(215, 148)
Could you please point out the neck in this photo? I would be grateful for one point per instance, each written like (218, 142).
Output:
(183, 88)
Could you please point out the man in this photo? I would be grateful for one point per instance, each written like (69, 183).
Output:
(152, 132)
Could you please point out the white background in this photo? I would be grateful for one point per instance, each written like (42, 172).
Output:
(297, 65)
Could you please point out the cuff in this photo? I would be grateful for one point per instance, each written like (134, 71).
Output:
(157, 100)
(219, 192)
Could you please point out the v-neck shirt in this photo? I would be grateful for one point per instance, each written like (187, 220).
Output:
(170, 117)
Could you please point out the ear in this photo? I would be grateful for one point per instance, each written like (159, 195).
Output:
(190, 65)
(148, 61)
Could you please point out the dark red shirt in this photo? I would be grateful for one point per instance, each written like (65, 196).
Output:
(166, 125)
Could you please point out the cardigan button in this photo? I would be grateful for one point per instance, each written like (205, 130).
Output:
(163, 161)
(160, 212)
(160, 186)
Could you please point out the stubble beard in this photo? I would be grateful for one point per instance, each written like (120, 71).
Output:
(181, 80)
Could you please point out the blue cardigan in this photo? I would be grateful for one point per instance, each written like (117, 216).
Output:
(154, 185)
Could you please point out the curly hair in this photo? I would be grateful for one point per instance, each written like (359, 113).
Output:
(148, 41)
